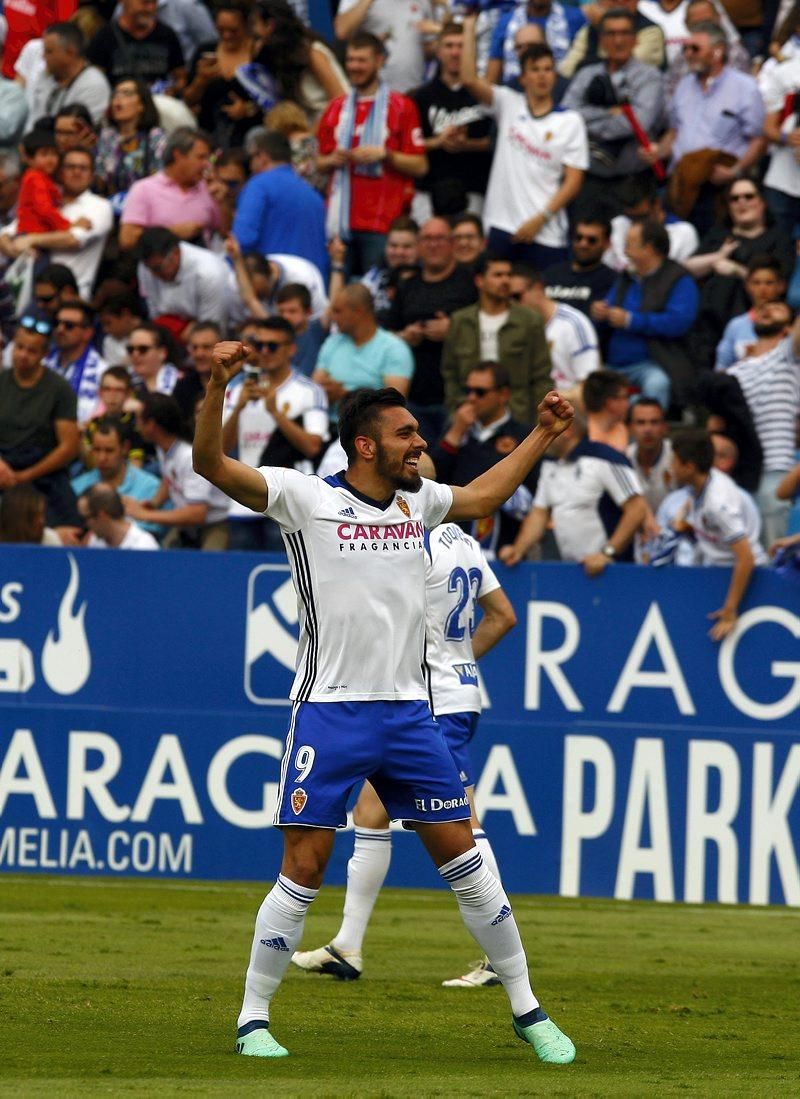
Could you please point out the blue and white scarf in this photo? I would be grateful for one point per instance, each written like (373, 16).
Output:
(556, 32)
(337, 220)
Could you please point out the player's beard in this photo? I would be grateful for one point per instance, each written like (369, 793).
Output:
(398, 474)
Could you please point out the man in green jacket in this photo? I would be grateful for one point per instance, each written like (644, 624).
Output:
(497, 329)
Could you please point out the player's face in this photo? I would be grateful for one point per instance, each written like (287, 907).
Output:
(648, 426)
(399, 446)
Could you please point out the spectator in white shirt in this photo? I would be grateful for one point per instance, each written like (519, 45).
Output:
(181, 280)
(641, 202)
(67, 77)
(571, 336)
(716, 517)
(78, 249)
(104, 514)
(199, 512)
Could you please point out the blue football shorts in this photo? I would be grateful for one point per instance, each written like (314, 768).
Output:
(459, 729)
(331, 747)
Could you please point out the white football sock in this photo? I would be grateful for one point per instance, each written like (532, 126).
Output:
(486, 912)
(366, 873)
(279, 929)
(485, 848)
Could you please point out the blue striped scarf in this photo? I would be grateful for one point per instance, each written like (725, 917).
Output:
(337, 221)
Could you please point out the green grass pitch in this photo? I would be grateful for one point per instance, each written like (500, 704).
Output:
(132, 987)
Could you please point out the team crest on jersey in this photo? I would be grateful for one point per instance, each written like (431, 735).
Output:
(299, 800)
(406, 510)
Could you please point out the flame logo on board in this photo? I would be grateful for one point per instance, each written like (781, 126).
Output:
(66, 659)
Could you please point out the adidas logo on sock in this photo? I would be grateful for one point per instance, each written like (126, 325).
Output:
(279, 943)
(503, 914)
(348, 513)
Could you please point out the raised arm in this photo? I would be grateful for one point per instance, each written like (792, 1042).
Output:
(480, 88)
(486, 493)
(239, 481)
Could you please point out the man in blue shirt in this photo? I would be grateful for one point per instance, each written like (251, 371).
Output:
(648, 312)
(277, 210)
(110, 448)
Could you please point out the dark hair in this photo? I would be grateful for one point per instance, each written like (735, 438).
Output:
(533, 53)
(765, 262)
(78, 151)
(359, 413)
(79, 111)
(206, 326)
(150, 118)
(655, 235)
(592, 216)
(69, 35)
(235, 156)
(259, 262)
(121, 373)
(644, 402)
(110, 425)
(500, 374)
(617, 13)
(274, 144)
(241, 7)
(277, 324)
(636, 189)
(165, 412)
(599, 386)
(694, 445)
(363, 40)
(81, 307)
(57, 275)
(156, 241)
(286, 53)
(450, 28)
(525, 271)
(20, 507)
(161, 335)
(485, 261)
(116, 304)
(38, 139)
(404, 224)
(103, 497)
(295, 291)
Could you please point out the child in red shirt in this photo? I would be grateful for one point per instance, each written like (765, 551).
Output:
(39, 194)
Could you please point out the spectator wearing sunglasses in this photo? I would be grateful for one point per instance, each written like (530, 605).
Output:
(273, 416)
(584, 277)
(481, 433)
(74, 358)
(38, 424)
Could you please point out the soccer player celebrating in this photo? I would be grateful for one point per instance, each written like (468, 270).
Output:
(356, 549)
(458, 578)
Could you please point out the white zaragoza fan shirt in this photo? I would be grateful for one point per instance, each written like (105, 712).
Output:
(358, 567)
(458, 575)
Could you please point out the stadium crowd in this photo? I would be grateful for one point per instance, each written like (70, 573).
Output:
(471, 204)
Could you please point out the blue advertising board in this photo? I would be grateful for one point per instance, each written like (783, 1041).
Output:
(143, 704)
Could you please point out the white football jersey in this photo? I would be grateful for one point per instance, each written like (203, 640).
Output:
(358, 567)
(457, 575)
(720, 516)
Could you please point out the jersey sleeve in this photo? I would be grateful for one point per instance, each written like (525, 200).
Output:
(729, 519)
(292, 496)
(576, 149)
(620, 481)
(489, 581)
(435, 500)
(410, 136)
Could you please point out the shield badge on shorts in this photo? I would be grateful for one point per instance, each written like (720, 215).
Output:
(299, 800)
(406, 510)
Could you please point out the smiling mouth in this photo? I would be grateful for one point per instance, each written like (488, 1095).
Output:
(412, 461)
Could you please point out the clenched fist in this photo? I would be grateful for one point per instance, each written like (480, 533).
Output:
(227, 360)
(555, 413)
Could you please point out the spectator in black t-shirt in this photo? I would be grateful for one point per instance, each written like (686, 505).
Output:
(420, 315)
(38, 424)
(138, 45)
(455, 128)
(584, 277)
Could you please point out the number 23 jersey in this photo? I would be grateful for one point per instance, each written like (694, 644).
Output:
(458, 575)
